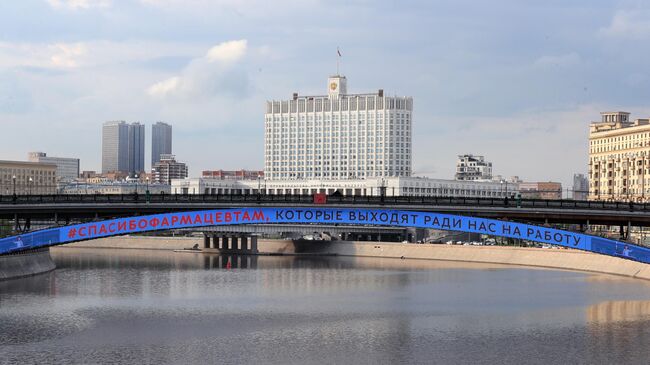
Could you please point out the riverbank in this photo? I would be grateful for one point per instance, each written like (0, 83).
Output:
(26, 264)
(536, 257)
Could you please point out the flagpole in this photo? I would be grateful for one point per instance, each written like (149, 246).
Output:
(338, 57)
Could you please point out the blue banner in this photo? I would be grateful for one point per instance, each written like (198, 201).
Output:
(377, 217)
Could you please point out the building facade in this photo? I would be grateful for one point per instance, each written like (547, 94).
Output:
(111, 187)
(391, 186)
(23, 178)
(161, 141)
(338, 136)
(580, 187)
(115, 146)
(619, 158)
(234, 174)
(136, 148)
(66, 168)
(471, 167)
(541, 190)
(167, 169)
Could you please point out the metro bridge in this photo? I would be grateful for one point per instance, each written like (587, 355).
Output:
(63, 209)
(165, 212)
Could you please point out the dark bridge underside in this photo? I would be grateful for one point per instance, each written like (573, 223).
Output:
(66, 208)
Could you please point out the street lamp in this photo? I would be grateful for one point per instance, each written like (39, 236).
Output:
(31, 182)
(147, 179)
(136, 184)
(14, 179)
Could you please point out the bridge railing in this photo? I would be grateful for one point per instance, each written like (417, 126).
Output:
(307, 199)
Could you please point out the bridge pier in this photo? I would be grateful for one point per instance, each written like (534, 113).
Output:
(231, 243)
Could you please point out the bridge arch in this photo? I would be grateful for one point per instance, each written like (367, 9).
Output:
(308, 215)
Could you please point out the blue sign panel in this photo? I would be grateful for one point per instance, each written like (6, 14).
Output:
(375, 217)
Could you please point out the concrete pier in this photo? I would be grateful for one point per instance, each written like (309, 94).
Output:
(30, 263)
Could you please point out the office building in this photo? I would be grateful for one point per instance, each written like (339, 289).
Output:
(167, 169)
(338, 136)
(66, 168)
(580, 187)
(619, 158)
(23, 178)
(136, 148)
(161, 141)
(122, 147)
(471, 167)
(391, 186)
(115, 146)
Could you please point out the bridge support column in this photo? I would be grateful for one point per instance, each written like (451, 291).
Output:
(243, 244)
(224, 246)
(629, 230)
(254, 244)
(206, 241)
(234, 243)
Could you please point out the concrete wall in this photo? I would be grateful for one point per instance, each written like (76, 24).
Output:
(27, 264)
(540, 257)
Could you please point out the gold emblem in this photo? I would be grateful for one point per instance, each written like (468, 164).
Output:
(333, 86)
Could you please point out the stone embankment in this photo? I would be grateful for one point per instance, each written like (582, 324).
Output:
(26, 264)
(538, 257)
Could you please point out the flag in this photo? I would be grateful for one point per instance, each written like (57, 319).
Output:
(337, 51)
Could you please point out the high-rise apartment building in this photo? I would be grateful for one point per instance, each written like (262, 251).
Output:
(115, 146)
(161, 141)
(619, 158)
(580, 187)
(136, 148)
(122, 147)
(338, 135)
(167, 169)
(471, 167)
(66, 168)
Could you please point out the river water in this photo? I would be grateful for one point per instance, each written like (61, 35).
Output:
(149, 307)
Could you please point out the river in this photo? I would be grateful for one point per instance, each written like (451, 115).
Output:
(158, 307)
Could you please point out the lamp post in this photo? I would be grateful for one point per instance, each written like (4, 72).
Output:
(147, 180)
(31, 182)
(14, 180)
(136, 184)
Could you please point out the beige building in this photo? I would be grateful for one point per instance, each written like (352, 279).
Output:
(619, 158)
(22, 178)
(540, 190)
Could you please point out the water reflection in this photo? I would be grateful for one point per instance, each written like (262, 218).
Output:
(129, 306)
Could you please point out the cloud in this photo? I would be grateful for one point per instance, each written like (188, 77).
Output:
(218, 72)
(227, 51)
(628, 24)
(67, 55)
(79, 4)
(165, 87)
(566, 60)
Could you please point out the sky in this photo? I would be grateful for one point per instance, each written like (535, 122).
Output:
(516, 81)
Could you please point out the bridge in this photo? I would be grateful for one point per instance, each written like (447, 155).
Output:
(64, 209)
(297, 210)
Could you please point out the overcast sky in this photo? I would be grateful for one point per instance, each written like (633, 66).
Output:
(516, 81)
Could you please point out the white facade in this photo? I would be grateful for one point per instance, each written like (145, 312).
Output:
(394, 186)
(66, 168)
(115, 188)
(471, 167)
(338, 136)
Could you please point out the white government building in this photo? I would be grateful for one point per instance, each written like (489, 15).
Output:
(355, 144)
